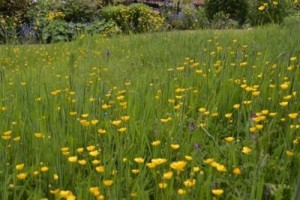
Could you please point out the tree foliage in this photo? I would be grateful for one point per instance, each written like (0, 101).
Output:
(14, 7)
(235, 9)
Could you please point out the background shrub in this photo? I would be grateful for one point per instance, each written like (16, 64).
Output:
(201, 20)
(56, 31)
(12, 14)
(102, 27)
(16, 8)
(61, 31)
(268, 11)
(223, 21)
(234, 9)
(185, 19)
(136, 18)
(8, 28)
(81, 10)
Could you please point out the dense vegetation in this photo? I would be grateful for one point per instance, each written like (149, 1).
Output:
(176, 115)
(163, 114)
(53, 21)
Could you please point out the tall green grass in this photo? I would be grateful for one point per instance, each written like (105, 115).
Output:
(208, 99)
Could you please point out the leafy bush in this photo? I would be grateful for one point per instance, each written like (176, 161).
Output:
(41, 14)
(27, 33)
(8, 29)
(136, 18)
(201, 20)
(102, 27)
(185, 19)
(236, 10)
(12, 15)
(222, 21)
(81, 10)
(59, 30)
(14, 8)
(267, 11)
(56, 31)
(292, 21)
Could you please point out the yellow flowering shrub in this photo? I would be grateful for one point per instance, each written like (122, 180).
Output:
(135, 18)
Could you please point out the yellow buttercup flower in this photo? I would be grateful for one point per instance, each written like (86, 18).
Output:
(139, 160)
(236, 171)
(91, 147)
(7, 133)
(165, 120)
(55, 177)
(175, 146)
(287, 97)
(259, 126)
(162, 185)
(289, 153)
(80, 149)
(96, 162)
(284, 86)
(84, 115)
(151, 165)
(246, 150)
(106, 106)
(73, 159)
(196, 169)
(94, 122)
(158, 161)
(221, 168)
(122, 129)
(208, 161)
(125, 118)
(94, 153)
(228, 115)
(36, 173)
(20, 166)
(284, 103)
(155, 143)
(100, 168)
(181, 191)
(107, 182)
(21, 176)
(101, 131)
(135, 171)
(168, 175)
(293, 115)
(44, 169)
(180, 68)
(229, 139)
(189, 183)
(95, 191)
(65, 149)
(272, 114)
(217, 192)
(178, 166)
(236, 106)
(82, 162)
(116, 122)
(38, 135)
(202, 110)
(189, 158)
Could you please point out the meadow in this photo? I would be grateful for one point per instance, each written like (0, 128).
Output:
(210, 114)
